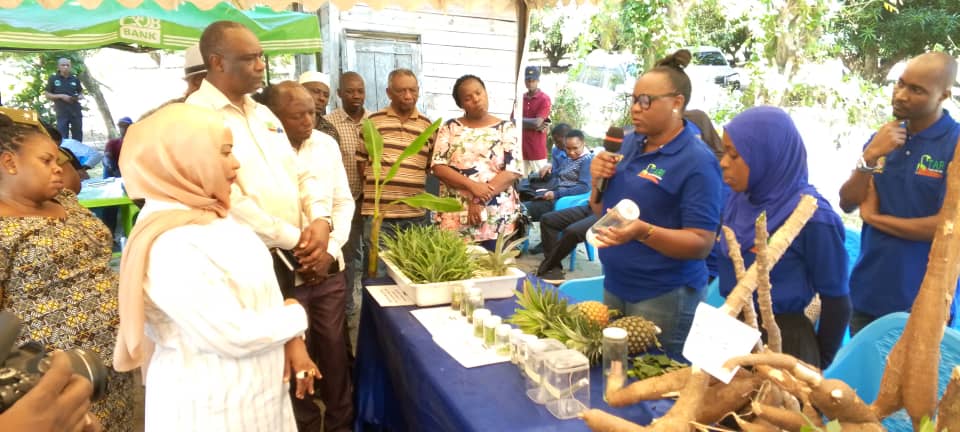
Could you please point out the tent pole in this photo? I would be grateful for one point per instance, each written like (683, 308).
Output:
(266, 62)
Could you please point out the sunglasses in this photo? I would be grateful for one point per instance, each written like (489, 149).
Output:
(644, 100)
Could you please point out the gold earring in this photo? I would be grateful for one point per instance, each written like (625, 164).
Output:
(12, 171)
(674, 110)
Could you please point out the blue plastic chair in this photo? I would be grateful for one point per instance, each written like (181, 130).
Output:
(860, 363)
(713, 297)
(576, 201)
(580, 290)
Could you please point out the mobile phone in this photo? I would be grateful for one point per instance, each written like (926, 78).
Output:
(288, 258)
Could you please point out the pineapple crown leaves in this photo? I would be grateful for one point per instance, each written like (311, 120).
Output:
(498, 260)
(543, 312)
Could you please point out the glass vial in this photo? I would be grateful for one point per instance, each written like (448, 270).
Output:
(456, 300)
(614, 359)
(503, 340)
(515, 345)
(474, 301)
(623, 213)
(490, 325)
(478, 316)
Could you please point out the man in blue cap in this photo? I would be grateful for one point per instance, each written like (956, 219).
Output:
(536, 111)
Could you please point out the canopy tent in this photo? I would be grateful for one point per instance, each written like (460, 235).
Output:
(309, 5)
(71, 26)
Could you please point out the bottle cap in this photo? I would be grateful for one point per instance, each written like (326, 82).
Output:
(628, 209)
(492, 321)
(615, 333)
(480, 314)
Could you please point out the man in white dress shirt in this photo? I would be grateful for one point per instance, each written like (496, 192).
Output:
(274, 194)
(272, 188)
(326, 296)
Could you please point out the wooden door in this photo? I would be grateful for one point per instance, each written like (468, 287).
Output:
(375, 55)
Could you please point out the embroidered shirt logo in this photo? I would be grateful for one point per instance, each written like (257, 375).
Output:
(930, 167)
(652, 173)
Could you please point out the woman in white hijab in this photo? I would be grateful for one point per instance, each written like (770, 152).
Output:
(199, 302)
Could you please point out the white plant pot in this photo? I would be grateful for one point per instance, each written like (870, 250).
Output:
(431, 294)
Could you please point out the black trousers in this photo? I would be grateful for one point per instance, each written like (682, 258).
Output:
(561, 232)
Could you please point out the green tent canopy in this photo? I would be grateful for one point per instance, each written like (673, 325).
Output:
(71, 27)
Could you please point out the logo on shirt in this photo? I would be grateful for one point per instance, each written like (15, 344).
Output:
(930, 167)
(273, 128)
(652, 173)
(56, 82)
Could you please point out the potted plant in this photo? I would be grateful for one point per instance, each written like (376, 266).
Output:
(427, 261)
(373, 142)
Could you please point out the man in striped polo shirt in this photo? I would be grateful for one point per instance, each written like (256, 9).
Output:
(399, 123)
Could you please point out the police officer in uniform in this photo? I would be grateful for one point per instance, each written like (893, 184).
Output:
(64, 89)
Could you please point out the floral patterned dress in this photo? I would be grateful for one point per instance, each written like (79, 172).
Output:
(480, 154)
(55, 276)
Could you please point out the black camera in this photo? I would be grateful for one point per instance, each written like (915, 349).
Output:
(20, 369)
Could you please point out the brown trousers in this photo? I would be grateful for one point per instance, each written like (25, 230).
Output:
(327, 346)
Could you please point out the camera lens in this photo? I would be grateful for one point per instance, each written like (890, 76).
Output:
(89, 366)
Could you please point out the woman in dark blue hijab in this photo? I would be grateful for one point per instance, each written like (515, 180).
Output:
(765, 165)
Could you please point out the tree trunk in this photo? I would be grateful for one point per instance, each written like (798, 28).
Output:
(92, 86)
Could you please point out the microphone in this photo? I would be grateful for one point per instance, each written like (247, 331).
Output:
(611, 144)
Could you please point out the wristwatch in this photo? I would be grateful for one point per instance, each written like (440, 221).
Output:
(864, 168)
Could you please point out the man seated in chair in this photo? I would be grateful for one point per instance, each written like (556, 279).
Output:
(570, 177)
(561, 231)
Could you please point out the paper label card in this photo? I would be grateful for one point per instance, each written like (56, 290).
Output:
(716, 337)
(390, 295)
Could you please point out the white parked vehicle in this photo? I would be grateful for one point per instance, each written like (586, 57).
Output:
(710, 65)
(603, 85)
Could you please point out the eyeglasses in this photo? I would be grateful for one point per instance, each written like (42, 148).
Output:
(644, 100)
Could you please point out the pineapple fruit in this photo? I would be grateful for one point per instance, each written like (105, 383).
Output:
(594, 311)
(641, 333)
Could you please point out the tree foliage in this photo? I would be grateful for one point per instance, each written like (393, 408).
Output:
(35, 69)
(709, 25)
(876, 36)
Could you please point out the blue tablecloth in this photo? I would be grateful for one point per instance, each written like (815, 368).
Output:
(405, 382)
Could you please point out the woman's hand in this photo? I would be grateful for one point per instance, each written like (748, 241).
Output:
(475, 214)
(604, 165)
(615, 236)
(482, 191)
(297, 363)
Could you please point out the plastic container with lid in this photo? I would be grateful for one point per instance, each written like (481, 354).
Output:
(622, 214)
(566, 383)
(614, 359)
(534, 367)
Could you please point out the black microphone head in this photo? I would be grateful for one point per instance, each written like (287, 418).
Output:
(613, 140)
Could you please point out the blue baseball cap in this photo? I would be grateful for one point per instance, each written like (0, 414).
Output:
(125, 120)
(531, 73)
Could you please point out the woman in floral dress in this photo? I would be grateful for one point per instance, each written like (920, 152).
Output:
(55, 263)
(477, 158)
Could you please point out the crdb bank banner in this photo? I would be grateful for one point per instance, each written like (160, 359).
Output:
(141, 29)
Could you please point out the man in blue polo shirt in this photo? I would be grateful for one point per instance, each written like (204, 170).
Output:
(64, 89)
(899, 185)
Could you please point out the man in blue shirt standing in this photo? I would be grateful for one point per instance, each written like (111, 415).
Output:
(899, 185)
(64, 89)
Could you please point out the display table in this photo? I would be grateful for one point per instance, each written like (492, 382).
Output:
(405, 382)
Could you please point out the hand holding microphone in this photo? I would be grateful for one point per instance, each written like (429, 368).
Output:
(605, 164)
